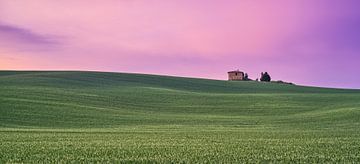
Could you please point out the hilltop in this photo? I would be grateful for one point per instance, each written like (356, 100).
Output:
(50, 99)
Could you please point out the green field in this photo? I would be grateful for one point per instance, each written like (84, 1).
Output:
(114, 117)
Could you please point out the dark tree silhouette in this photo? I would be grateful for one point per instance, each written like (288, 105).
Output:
(265, 77)
(246, 77)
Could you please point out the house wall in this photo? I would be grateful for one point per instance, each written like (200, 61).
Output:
(233, 76)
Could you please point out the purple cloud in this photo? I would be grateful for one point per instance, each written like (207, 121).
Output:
(21, 38)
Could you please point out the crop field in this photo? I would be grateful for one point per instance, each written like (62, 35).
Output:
(97, 117)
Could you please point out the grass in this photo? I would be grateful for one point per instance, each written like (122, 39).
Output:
(111, 117)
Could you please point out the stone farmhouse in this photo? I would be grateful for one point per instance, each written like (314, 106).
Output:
(236, 75)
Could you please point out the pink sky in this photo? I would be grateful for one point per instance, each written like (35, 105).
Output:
(308, 42)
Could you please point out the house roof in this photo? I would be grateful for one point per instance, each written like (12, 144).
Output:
(237, 71)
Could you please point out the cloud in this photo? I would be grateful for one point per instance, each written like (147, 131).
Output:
(18, 38)
(216, 29)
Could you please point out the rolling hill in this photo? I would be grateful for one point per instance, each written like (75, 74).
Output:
(150, 118)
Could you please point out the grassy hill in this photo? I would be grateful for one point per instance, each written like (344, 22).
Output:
(118, 117)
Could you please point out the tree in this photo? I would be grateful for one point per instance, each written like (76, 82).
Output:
(246, 77)
(265, 77)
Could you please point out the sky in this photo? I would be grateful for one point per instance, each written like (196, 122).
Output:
(307, 42)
